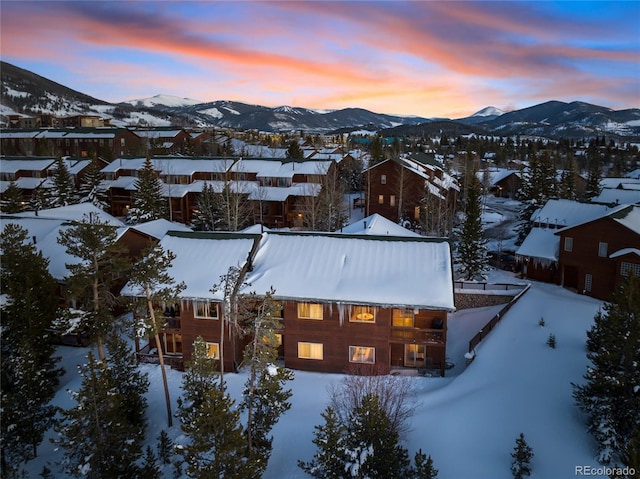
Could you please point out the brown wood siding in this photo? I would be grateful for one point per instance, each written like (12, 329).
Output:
(337, 338)
(584, 257)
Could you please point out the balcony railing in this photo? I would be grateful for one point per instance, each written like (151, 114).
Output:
(418, 334)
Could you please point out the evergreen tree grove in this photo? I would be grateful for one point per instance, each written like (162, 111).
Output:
(12, 199)
(29, 372)
(610, 396)
(64, 191)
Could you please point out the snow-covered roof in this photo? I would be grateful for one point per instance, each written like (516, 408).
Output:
(625, 251)
(626, 215)
(495, 175)
(13, 165)
(541, 243)
(24, 183)
(172, 165)
(44, 232)
(335, 268)
(75, 213)
(376, 224)
(159, 228)
(563, 213)
(154, 134)
(616, 182)
(275, 193)
(19, 133)
(201, 258)
(617, 196)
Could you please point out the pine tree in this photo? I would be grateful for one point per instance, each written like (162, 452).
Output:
(100, 265)
(593, 187)
(12, 201)
(98, 440)
(131, 383)
(41, 199)
(150, 468)
(217, 446)
(165, 447)
(472, 250)
(567, 186)
(371, 445)
(423, 467)
(150, 274)
(208, 216)
(376, 151)
(264, 397)
(91, 189)
(328, 461)
(29, 372)
(148, 202)
(538, 185)
(610, 395)
(294, 152)
(522, 455)
(63, 192)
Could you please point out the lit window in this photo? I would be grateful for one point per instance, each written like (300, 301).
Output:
(363, 314)
(309, 310)
(416, 213)
(205, 310)
(361, 354)
(278, 339)
(588, 282)
(568, 244)
(213, 350)
(172, 343)
(392, 200)
(602, 249)
(310, 351)
(626, 268)
(403, 318)
(383, 179)
(380, 199)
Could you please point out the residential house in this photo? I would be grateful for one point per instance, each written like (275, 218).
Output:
(539, 252)
(502, 182)
(596, 255)
(396, 189)
(346, 300)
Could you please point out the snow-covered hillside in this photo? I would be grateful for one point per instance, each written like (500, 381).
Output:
(467, 421)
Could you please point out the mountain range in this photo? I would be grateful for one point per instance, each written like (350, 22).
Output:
(27, 93)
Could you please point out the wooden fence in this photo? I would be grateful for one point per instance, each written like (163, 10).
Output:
(487, 328)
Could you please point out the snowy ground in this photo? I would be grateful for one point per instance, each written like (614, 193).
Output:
(467, 421)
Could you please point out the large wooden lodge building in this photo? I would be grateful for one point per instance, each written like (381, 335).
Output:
(346, 299)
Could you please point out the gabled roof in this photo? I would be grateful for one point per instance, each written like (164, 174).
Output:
(378, 225)
(567, 212)
(201, 258)
(344, 269)
(15, 164)
(627, 216)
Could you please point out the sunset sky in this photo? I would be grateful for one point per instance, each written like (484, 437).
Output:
(426, 58)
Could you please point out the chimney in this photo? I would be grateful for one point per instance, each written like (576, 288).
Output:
(33, 238)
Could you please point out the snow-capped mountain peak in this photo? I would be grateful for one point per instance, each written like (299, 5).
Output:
(489, 111)
(164, 100)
